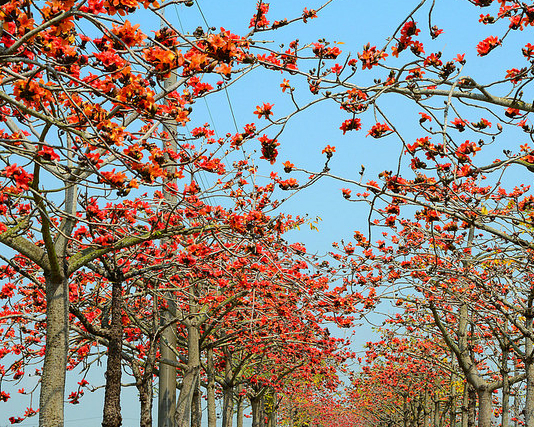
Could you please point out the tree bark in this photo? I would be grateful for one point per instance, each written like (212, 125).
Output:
(471, 407)
(529, 368)
(196, 406)
(239, 408)
(167, 373)
(228, 405)
(465, 405)
(257, 413)
(505, 419)
(485, 411)
(183, 407)
(145, 398)
(210, 389)
(112, 399)
(55, 360)
(436, 413)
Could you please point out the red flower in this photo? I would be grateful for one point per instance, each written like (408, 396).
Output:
(482, 124)
(410, 29)
(378, 130)
(268, 148)
(370, 56)
(459, 124)
(329, 150)
(515, 75)
(288, 166)
(351, 124)
(511, 112)
(424, 118)
(460, 58)
(433, 60)
(48, 153)
(264, 111)
(346, 193)
(284, 85)
(288, 183)
(487, 45)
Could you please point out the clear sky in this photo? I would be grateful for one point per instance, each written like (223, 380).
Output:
(354, 23)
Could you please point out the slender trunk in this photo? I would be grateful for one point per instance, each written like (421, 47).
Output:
(210, 390)
(228, 391)
(190, 378)
(196, 406)
(167, 373)
(425, 409)
(239, 406)
(145, 398)
(516, 408)
(271, 412)
(436, 413)
(529, 367)
(471, 406)
(529, 399)
(228, 405)
(257, 413)
(452, 412)
(404, 411)
(112, 399)
(465, 406)
(55, 359)
(485, 411)
(505, 420)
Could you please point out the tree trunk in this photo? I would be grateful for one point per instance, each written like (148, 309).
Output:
(196, 406)
(465, 406)
(452, 412)
(210, 390)
(167, 373)
(189, 381)
(471, 407)
(55, 360)
(257, 413)
(228, 405)
(529, 398)
(485, 411)
(425, 409)
(505, 419)
(436, 413)
(145, 398)
(112, 399)
(271, 410)
(239, 408)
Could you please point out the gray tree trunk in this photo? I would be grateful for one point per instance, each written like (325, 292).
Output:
(465, 405)
(190, 378)
(112, 398)
(196, 406)
(472, 407)
(145, 398)
(505, 419)
(258, 416)
(210, 390)
(485, 410)
(55, 360)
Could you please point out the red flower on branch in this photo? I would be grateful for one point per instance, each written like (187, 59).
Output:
(379, 130)
(351, 124)
(264, 111)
